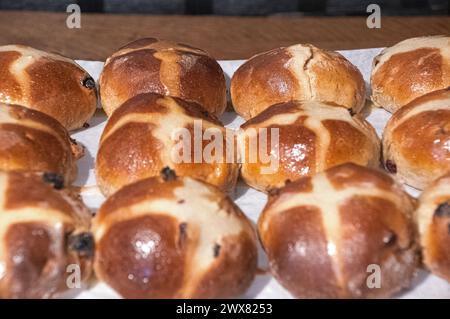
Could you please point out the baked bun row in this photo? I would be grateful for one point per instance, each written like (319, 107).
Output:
(353, 232)
(138, 142)
(168, 229)
(347, 232)
(433, 223)
(42, 96)
(400, 74)
(162, 237)
(412, 80)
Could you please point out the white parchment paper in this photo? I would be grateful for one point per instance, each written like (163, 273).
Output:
(249, 200)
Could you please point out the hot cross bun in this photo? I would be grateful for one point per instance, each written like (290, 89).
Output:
(45, 237)
(157, 66)
(343, 233)
(433, 220)
(47, 82)
(416, 140)
(410, 69)
(33, 141)
(174, 237)
(141, 138)
(312, 136)
(298, 72)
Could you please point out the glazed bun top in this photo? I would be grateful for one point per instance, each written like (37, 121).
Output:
(298, 72)
(33, 141)
(47, 82)
(157, 66)
(321, 233)
(150, 132)
(201, 244)
(409, 69)
(416, 140)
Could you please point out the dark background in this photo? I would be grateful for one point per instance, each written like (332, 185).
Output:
(238, 7)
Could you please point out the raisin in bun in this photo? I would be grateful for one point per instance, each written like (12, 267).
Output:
(312, 136)
(43, 231)
(410, 69)
(298, 72)
(47, 82)
(174, 237)
(147, 133)
(158, 66)
(416, 140)
(33, 141)
(343, 233)
(433, 220)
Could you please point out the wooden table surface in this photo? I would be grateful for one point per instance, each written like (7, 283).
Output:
(223, 37)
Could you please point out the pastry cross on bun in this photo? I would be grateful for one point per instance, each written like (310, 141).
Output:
(33, 141)
(157, 66)
(433, 220)
(47, 82)
(140, 139)
(343, 233)
(298, 72)
(410, 69)
(43, 230)
(416, 140)
(174, 237)
(313, 136)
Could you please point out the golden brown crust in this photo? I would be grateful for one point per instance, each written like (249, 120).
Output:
(303, 223)
(322, 233)
(371, 236)
(271, 82)
(140, 191)
(150, 275)
(357, 176)
(410, 69)
(433, 220)
(313, 136)
(233, 270)
(40, 230)
(298, 72)
(153, 246)
(47, 82)
(37, 196)
(139, 141)
(167, 68)
(33, 141)
(416, 140)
